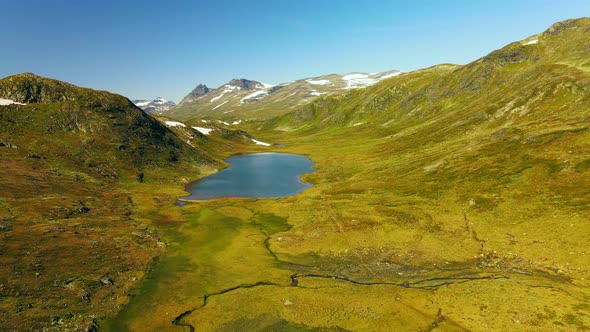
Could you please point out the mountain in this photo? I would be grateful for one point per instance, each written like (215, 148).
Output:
(156, 106)
(199, 91)
(520, 83)
(241, 98)
(74, 162)
(90, 127)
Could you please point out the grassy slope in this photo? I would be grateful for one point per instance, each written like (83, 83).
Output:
(452, 198)
(69, 204)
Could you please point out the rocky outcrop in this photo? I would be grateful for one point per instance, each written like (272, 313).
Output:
(245, 84)
(197, 92)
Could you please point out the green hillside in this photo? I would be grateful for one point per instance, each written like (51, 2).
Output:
(70, 160)
(453, 198)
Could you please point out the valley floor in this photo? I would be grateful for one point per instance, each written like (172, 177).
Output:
(375, 245)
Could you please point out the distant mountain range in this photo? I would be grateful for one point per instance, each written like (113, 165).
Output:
(241, 97)
(156, 106)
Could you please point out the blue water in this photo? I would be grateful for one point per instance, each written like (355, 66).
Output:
(255, 175)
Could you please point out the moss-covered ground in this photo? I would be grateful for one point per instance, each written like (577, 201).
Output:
(369, 249)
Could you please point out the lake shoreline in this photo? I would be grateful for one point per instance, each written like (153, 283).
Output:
(259, 185)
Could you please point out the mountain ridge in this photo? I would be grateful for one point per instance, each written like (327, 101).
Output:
(158, 105)
(242, 97)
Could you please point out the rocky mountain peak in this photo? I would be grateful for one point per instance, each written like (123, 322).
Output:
(245, 84)
(560, 26)
(199, 91)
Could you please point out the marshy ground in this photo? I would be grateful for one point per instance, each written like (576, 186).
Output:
(370, 249)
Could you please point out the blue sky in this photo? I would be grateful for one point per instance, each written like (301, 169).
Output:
(145, 49)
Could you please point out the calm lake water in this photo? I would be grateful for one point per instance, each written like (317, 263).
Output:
(255, 175)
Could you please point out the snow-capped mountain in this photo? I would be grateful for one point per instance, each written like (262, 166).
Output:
(241, 97)
(156, 106)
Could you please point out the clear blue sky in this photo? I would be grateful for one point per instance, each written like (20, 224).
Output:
(144, 49)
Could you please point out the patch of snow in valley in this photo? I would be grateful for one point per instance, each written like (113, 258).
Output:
(267, 85)
(357, 124)
(236, 122)
(204, 131)
(315, 93)
(4, 102)
(534, 41)
(260, 143)
(228, 111)
(205, 121)
(218, 106)
(175, 124)
(225, 123)
(318, 82)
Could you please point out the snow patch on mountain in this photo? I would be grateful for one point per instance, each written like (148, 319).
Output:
(534, 41)
(390, 75)
(260, 143)
(218, 106)
(175, 124)
(358, 80)
(157, 106)
(318, 82)
(255, 96)
(5, 102)
(227, 88)
(141, 104)
(202, 130)
(361, 80)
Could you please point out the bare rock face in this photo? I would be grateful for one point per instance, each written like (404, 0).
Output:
(245, 84)
(560, 26)
(197, 92)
